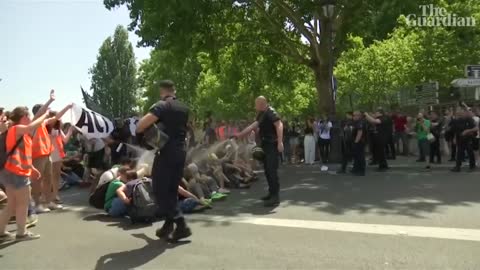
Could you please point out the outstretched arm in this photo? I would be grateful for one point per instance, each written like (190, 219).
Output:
(45, 106)
(247, 130)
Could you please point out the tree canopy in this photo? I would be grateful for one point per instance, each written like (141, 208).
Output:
(114, 81)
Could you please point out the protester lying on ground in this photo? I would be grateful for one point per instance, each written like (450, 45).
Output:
(116, 199)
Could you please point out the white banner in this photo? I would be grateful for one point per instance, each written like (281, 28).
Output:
(90, 123)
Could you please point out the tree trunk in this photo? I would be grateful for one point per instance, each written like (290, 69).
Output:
(322, 84)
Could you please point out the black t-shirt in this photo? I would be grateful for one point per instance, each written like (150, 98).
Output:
(266, 125)
(357, 126)
(173, 114)
(462, 124)
(382, 128)
(388, 125)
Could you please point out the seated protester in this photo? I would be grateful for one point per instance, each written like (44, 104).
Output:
(111, 174)
(116, 199)
(233, 172)
(216, 171)
(201, 185)
(190, 203)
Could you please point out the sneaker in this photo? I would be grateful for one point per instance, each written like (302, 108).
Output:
(54, 206)
(27, 236)
(428, 167)
(31, 220)
(273, 202)
(12, 220)
(324, 168)
(224, 190)
(7, 237)
(165, 231)
(40, 209)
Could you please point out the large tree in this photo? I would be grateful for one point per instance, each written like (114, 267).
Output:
(114, 81)
(295, 29)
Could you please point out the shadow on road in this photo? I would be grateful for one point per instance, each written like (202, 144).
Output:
(123, 223)
(413, 193)
(131, 259)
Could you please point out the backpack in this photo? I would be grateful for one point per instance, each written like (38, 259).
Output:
(3, 149)
(97, 198)
(142, 207)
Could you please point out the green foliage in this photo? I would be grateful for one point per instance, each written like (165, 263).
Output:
(114, 81)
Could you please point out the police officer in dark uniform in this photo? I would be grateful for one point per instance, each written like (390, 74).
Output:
(358, 147)
(347, 140)
(379, 138)
(271, 136)
(169, 161)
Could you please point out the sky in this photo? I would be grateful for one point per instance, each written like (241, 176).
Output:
(51, 44)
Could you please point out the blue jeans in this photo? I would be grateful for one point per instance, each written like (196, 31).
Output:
(118, 209)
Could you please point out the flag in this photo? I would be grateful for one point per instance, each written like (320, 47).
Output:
(92, 105)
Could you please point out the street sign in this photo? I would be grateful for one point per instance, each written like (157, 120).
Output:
(466, 82)
(472, 71)
(427, 93)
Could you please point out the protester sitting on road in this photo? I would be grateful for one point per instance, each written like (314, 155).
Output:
(190, 203)
(116, 199)
(17, 173)
(203, 186)
(112, 173)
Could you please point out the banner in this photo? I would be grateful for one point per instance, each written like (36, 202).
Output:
(90, 123)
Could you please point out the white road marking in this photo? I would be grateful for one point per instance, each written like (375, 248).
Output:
(380, 229)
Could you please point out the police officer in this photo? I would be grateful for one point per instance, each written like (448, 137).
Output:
(169, 162)
(346, 138)
(358, 147)
(379, 138)
(271, 134)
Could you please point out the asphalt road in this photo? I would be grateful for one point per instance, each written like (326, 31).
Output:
(403, 219)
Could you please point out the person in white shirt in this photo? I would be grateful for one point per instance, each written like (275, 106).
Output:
(323, 131)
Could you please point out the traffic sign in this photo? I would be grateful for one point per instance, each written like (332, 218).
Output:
(472, 71)
(466, 82)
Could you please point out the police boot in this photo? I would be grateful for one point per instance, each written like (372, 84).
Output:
(272, 202)
(181, 231)
(166, 230)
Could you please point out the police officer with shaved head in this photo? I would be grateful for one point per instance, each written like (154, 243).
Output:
(172, 115)
(271, 134)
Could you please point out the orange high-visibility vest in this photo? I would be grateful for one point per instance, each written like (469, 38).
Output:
(59, 143)
(41, 143)
(221, 133)
(20, 162)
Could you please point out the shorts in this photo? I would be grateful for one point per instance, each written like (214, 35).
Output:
(9, 179)
(475, 144)
(294, 141)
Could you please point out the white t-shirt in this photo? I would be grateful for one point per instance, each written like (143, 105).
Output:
(323, 130)
(477, 122)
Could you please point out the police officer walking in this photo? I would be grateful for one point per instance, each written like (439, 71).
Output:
(358, 147)
(169, 161)
(379, 138)
(347, 140)
(271, 134)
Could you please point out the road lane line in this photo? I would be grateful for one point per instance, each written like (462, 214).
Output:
(381, 229)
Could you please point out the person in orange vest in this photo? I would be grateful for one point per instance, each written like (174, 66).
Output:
(42, 148)
(58, 139)
(221, 131)
(17, 172)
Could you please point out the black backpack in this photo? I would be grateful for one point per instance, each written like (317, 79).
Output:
(142, 207)
(97, 198)
(3, 149)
